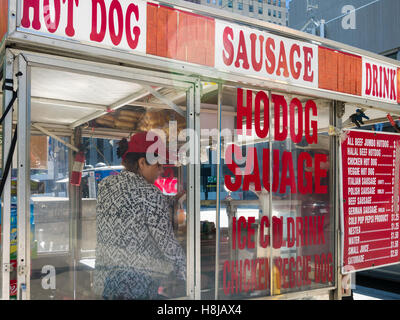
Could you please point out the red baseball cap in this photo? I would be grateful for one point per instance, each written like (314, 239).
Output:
(142, 141)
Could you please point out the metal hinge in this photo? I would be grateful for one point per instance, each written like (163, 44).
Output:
(7, 267)
(21, 270)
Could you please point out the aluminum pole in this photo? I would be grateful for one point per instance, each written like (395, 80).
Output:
(218, 207)
(6, 196)
(23, 186)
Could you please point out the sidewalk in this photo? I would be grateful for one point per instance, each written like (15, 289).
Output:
(364, 293)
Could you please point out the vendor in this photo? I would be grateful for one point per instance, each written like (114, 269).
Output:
(136, 247)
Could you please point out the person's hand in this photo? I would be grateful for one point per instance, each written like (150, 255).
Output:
(179, 195)
(173, 201)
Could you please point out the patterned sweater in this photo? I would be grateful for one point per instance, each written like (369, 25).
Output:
(136, 246)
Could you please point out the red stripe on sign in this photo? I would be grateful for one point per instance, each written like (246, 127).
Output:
(210, 52)
(339, 71)
(192, 35)
(398, 85)
(321, 68)
(172, 31)
(201, 41)
(182, 36)
(347, 71)
(359, 76)
(3, 18)
(341, 77)
(328, 69)
(151, 44)
(162, 17)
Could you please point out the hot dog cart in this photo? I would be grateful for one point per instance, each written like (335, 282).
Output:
(256, 112)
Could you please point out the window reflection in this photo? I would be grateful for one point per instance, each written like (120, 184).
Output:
(278, 209)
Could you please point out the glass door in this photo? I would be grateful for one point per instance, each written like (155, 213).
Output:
(97, 225)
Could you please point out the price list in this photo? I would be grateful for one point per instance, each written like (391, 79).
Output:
(370, 186)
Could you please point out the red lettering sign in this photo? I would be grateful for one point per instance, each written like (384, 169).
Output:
(296, 113)
(315, 170)
(288, 272)
(379, 81)
(115, 23)
(310, 171)
(253, 52)
(398, 85)
(370, 180)
(44, 9)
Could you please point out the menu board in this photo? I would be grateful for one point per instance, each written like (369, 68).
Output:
(370, 199)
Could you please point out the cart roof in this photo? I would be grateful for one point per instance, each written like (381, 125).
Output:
(73, 95)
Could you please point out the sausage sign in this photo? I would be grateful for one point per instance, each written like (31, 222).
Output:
(288, 119)
(248, 51)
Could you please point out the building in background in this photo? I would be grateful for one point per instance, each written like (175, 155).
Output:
(273, 11)
(102, 151)
(371, 25)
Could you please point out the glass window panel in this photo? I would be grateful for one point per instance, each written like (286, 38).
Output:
(245, 270)
(208, 188)
(103, 238)
(302, 207)
(50, 219)
(157, 254)
(289, 246)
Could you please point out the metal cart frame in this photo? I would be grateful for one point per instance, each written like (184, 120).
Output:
(21, 51)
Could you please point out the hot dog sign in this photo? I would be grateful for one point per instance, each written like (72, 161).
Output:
(114, 23)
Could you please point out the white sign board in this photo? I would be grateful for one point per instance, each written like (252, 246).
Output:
(249, 51)
(379, 81)
(118, 24)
